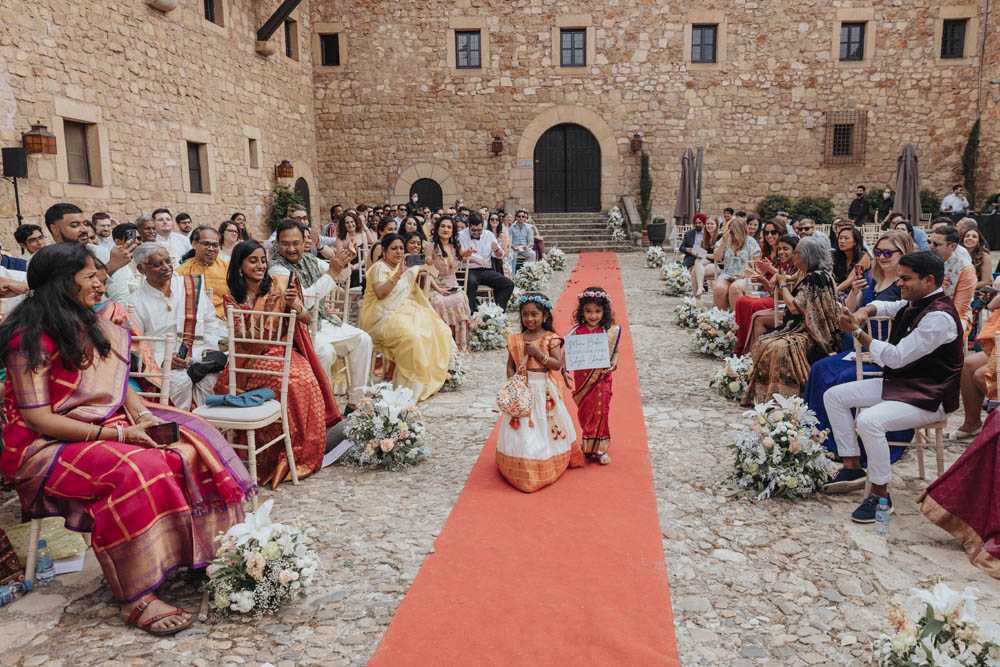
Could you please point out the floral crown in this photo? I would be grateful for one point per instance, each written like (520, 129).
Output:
(541, 300)
(594, 294)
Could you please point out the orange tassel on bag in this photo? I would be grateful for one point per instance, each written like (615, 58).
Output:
(531, 423)
(515, 423)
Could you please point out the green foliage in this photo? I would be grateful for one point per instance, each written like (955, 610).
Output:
(820, 209)
(645, 189)
(659, 221)
(281, 198)
(970, 159)
(771, 204)
(929, 202)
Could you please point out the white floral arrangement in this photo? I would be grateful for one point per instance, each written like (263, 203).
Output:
(732, 379)
(677, 280)
(688, 311)
(532, 276)
(387, 429)
(456, 373)
(512, 302)
(261, 566)
(939, 628)
(655, 257)
(715, 333)
(616, 223)
(556, 258)
(489, 329)
(781, 453)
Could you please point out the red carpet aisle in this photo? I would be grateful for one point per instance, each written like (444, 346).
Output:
(570, 575)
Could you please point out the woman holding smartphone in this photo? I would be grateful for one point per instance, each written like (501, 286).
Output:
(447, 297)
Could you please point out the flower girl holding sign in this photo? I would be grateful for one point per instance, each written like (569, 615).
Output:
(592, 392)
(535, 448)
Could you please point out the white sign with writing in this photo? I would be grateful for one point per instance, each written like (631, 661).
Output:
(589, 351)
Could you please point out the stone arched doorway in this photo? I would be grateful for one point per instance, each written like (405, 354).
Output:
(567, 174)
(450, 188)
(429, 193)
(302, 190)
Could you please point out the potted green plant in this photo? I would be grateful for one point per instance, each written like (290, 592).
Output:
(656, 231)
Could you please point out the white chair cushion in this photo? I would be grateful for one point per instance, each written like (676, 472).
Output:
(230, 414)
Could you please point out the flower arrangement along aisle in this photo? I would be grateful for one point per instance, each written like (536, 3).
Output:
(532, 276)
(616, 223)
(456, 373)
(688, 311)
(489, 328)
(781, 453)
(387, 429)
(261, 566)
(677, 279)
(715, 334)
(556, 258)
(939, 629)
(732, 379)
(512, 302)
(655, 257)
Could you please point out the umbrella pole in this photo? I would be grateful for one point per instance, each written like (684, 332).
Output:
(697, 199)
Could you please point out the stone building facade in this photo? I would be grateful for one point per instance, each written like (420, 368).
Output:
(151, 86)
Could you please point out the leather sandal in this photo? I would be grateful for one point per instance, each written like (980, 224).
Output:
(147, 625)
(959, 435)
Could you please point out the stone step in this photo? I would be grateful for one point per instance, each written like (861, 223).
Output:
(563, 216)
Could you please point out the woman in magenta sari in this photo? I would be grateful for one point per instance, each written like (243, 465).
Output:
(592, 387)
(75, 444)
(965, 500)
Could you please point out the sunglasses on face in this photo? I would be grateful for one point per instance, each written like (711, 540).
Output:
(886, 254)
(770, 232)
(938, 244)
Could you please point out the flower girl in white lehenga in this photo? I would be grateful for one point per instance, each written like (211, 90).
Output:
(533, 451)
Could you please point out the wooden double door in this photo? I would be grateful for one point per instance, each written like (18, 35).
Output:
(567, 170)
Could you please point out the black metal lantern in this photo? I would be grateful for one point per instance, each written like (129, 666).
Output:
(284, 170)
(497, 145)
(636, 143)
(39, 140)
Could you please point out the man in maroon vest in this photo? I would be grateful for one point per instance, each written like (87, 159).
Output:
(922, 370)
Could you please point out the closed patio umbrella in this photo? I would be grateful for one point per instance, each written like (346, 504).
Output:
(908, 184)
(687, 196)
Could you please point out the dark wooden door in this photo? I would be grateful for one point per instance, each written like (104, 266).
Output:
(567, 170)
(302, 190)
(428, 193)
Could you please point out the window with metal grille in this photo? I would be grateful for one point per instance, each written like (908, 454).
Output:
(77, 159)
(953, 38)
(195, 166)
(573, 47)
(468, 49)
(703, 41)
(846, 132)
(852, 41)
(329, 50)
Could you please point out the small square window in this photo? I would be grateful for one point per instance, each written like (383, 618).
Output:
(213, 11)
(953, 38)
(195, 166)
(292, 39)
(703, 41)
(852, 41)
(77, 156)
(468, 49)
(845, 137)
(254, 161)
(329, 50)
(573, 47)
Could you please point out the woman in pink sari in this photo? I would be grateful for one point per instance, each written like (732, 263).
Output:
(75, 444)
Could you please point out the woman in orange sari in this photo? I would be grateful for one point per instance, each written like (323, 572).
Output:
(311, 406)
(75, 444)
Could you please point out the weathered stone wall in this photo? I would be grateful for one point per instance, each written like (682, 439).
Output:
(395, 106)
(154, 80)
(989, 149)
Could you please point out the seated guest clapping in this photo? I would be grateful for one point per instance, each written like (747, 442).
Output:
(735, 250)
(480, 246)
(755, 315)
(165, 303)
(334, 338)
(76, 446)
(204, 260)
(922, 366)
(781, 359)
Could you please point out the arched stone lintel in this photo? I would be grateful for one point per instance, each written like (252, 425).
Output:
(450, 188)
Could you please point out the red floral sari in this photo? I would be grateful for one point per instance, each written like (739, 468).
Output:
(593, 395)
(150, 511)
(311, 405)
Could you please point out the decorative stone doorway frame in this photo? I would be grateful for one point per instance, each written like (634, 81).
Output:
(523, 174)
(450, 188)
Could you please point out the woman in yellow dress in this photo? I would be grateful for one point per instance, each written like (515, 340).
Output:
(403, 325)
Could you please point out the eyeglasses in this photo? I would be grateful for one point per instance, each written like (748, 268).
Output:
(938, 244)
(299, 217)
(209, 244)
(886, 254)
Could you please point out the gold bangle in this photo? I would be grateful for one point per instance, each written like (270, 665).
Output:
(89, 431)
(545, 361)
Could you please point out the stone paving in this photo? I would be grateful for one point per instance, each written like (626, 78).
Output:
(770, 583)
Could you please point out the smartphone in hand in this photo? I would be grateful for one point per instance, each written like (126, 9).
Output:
(164, 434)
(415, 260)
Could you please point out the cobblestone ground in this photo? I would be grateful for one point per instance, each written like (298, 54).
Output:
(771, 583)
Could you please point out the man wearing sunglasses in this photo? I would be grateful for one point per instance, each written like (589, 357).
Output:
(959, 274)
(807, 227)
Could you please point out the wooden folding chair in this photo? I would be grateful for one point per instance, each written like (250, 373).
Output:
(264, 329)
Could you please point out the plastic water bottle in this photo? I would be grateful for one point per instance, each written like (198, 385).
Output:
(882, 517)
(45, 569)
(14, 591)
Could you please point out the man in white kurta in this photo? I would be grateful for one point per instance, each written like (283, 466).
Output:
(334, 338)
(159, 305)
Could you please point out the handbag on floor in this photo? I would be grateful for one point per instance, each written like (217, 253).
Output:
(514, 397)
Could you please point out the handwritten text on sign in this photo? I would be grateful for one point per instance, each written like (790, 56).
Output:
(589, 351)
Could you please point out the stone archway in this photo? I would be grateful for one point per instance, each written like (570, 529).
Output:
(523, 175)
(450, 188)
